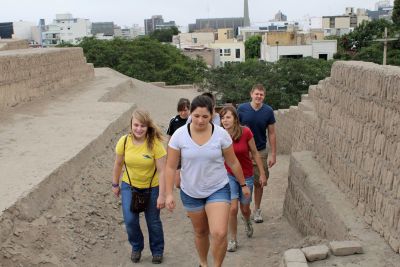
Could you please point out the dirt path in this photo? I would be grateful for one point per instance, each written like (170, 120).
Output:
(84, 227)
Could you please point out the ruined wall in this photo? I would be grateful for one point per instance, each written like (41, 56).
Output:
(352, 123)
(12, 44)
(30, 73)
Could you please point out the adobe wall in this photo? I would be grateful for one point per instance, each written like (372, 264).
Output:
(31, 73)
(12, 44)
(351, 121)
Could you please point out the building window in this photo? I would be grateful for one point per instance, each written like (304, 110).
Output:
(220, 52)
(237, 53)
(227, 52)
(323, 56)
(194, 40)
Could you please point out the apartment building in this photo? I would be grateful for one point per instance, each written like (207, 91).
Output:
(277, 45)
(343, 24)
(65, 28)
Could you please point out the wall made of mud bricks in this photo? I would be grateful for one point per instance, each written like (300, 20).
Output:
(357, 139)
(31, 73)
(13, 44)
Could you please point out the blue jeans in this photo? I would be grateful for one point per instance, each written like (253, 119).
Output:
(236, 189)
(152, 215)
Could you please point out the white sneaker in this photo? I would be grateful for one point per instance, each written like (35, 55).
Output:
(248, 228)
(257, 216)
(232, 246)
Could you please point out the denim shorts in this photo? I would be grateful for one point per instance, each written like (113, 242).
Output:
(236, 189)
(196, 204)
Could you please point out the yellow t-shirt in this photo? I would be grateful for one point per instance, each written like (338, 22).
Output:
(140, 161)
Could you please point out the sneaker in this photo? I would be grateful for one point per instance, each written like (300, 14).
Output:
(135, 256)
(232, 246)
(257, 216)
(157, 259)
(248, 228)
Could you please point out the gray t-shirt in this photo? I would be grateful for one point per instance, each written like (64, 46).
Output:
(203, 171)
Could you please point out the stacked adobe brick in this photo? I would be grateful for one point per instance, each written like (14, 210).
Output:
(31, 73)
(353, 127)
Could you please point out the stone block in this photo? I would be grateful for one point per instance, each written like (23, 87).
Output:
(344, 248)
(315, 253)
(294, 255)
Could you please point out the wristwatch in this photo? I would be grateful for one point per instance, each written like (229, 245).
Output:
(114, 185)
(243, 185)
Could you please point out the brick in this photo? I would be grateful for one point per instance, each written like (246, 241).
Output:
(315, 253)
(344, 248)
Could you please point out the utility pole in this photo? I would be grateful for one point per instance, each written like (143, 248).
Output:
(385, 40)
(277, 50)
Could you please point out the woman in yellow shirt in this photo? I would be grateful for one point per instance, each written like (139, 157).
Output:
(144, 155)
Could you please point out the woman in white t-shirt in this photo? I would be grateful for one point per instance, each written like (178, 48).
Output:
(205, 193)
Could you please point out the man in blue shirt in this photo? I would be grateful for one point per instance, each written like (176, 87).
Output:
(259, 117)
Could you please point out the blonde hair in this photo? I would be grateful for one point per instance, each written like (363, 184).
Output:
(236, 128)
(153, 131)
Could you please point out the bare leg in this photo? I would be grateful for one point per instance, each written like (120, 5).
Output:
(201, 231)
(218, 216)
(246, 211)
(258, 193)
(233, 219)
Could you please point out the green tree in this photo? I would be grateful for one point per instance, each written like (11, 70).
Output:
(360, 44)
(164, 35)
(145, 59)
(396, 13)
(284, 80)
(252, 46)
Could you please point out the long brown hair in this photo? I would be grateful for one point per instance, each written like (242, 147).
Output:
(236, 128)
(153, 131)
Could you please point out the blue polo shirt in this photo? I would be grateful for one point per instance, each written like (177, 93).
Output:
(257, 121)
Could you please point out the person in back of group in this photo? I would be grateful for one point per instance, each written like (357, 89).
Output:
(215, 118)
(143, 155)
(243, 145)
(259, 117)
(205, 193)
(175, 123)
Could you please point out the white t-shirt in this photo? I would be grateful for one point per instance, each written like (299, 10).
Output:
(203, 171)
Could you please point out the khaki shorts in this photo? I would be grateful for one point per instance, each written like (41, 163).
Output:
(264, 158)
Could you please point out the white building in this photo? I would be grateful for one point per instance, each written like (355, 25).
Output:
(23, 30)
(66, 29)
(324, 49)
(194, 39)
(230, 52)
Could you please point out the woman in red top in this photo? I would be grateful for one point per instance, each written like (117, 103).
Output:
(243, 145)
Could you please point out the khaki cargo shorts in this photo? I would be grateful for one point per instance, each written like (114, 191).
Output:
(264, 159)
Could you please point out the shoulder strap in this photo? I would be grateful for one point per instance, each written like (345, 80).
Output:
(188, 126)
(130, 183)
(212, 128)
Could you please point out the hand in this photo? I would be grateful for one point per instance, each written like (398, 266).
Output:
(116, 191)
(272, 161)
(263, 180)
(160, 202)
(246, 191)
(170, 202)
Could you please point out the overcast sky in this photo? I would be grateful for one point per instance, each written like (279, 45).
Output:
(128, 12)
